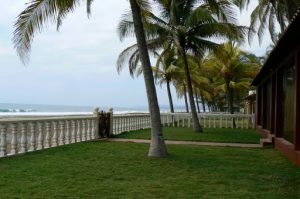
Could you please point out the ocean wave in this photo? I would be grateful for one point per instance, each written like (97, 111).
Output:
(8, 110)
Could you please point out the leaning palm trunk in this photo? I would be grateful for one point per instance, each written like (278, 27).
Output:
(170, 97)
(157, 146)
(185, 99)
(196, 125)
(229, 97)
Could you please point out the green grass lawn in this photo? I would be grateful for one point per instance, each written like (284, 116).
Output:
(209, 135)
(123, 170)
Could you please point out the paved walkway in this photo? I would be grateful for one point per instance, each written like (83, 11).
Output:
(240, 145)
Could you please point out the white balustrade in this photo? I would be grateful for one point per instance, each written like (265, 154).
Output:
(19, 135)
(42, 132)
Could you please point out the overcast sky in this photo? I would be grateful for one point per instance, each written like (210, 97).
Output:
(77, 65)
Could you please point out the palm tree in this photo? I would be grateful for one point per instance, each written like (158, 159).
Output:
(269, 12)
(166, 70)
(189, 26)
(39, 12)
(237, 68)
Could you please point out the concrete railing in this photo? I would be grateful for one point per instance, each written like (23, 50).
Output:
(210, 120)
(130, 122)
(19, 135)
(25, 134)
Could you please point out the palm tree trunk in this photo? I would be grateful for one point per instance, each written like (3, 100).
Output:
(185, 99)
(196, 125)
(203, 103)
(157, 146)
(230, 101)
(197, 103)
(170, 97)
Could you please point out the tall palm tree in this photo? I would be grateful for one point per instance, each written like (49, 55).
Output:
(157, 145)
(189, 25)
(39, 12)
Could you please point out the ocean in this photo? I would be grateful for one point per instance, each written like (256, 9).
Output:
(11, 109)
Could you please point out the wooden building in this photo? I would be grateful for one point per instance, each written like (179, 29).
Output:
(278, 93)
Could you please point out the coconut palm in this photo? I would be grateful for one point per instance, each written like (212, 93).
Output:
(39, 12)
(237, 68)
(269, 12)
(166, 71)
(189, 25)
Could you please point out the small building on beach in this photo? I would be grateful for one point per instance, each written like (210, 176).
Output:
(278, 93)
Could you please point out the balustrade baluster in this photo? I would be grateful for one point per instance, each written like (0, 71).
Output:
(94, 129)
(173, 120)
(3, 142)
(62, 133)
(68, 137)
(214, 117)
(48, 135)
(14, 142)
(226, 122)
(221, 121)
(248, 119)
(32, 137)
(88, 129)
(208, 121)
(41, 136)
(23, 141)
(78, 131)
(127, 123)
(120, 125)
(55, 134)
(73, 123)
(83, 130)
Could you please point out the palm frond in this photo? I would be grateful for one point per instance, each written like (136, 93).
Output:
(34, 18)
